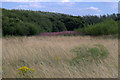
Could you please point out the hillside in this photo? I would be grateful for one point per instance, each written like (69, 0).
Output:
(37, 48)
(27, 22)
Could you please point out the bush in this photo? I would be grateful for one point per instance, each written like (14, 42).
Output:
(107, 27)
(89, 54)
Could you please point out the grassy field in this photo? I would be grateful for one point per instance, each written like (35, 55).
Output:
(42, 53)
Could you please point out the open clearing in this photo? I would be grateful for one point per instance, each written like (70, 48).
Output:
(40, 54)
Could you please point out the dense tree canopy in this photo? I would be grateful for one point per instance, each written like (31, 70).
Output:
(27, 22)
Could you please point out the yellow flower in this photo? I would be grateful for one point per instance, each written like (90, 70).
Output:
(57, 58)
(23, 71)
(32, 69)
(25, 68)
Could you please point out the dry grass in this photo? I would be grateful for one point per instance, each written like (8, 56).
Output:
(40, 53)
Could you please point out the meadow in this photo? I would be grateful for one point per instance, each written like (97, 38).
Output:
(50, 57)
(38, 44)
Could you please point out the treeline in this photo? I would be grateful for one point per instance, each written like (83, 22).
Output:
(27, 22)
(108, 27)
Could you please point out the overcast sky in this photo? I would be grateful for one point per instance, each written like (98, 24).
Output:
(67, 7)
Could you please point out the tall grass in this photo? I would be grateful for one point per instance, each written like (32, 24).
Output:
(88, 54)
(107, 27)
(65, 33)
(49, 56)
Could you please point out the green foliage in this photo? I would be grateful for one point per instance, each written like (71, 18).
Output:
(104, 28)
(91, 20)
(27, 22)
(89, 54)
(58, 26)
(72, 23)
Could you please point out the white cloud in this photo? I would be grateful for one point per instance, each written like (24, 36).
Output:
(68, 4)
(30, 5)
(93, 8)
(65, 1)
(56, 11)
(36, 5)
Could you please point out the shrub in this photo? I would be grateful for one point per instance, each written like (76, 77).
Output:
(89, 54)
(107, 27)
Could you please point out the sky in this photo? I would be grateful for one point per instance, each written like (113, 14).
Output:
(59, 0)
(66, 7)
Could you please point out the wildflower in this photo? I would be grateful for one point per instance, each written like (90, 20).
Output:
(57, 58)
(32, 69)
(24, 70)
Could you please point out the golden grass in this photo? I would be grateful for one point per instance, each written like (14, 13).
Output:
(40, 53)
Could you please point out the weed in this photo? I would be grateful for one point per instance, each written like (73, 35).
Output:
(25, 72)
(89, 54)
